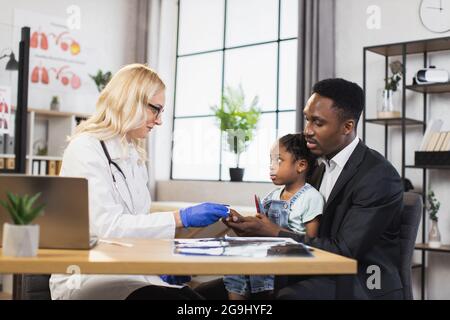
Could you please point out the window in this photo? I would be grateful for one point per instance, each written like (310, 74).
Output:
(221, 43)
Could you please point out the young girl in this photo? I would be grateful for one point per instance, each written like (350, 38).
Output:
(296, 206)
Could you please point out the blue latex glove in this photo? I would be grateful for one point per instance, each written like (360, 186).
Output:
(175, 279)
(202, 214)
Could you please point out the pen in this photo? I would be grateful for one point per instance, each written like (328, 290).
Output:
(259, 207)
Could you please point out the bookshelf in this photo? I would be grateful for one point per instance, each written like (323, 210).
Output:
(52, 128)
(404, 50)
(58, 126)
(430, 88)
(426, 247)
(395, 122)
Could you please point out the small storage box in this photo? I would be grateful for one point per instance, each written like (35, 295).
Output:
(435, 158)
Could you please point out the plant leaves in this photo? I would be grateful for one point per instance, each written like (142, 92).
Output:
(13, 199)
(34, 213)
(11, 212)
(235, 119)
(15, 216)
(101, 79)
(14, 209)
(433, 206)
(20, 208)
(30, 201)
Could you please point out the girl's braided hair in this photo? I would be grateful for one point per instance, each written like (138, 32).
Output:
(295, 144)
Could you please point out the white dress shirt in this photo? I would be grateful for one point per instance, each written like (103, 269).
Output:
(333, 168)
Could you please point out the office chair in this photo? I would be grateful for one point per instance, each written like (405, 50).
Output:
(410, 219)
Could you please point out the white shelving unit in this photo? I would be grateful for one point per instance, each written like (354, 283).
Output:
(7, 156)
(57, 126)
(44, 158)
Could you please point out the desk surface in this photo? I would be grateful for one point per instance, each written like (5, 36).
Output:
(155, 257)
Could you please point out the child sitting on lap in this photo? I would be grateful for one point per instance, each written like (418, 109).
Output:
(296, 206)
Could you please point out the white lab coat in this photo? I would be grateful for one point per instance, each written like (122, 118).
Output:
(109, 214)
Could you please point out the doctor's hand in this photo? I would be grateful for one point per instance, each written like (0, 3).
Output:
(202, 214)
(258, 226)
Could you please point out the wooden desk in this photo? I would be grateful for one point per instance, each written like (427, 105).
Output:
(156, 257)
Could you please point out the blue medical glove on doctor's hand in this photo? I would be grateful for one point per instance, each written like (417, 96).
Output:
(175, 279)
(202, 214)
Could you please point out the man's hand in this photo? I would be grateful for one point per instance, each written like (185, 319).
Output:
(234, 216)
(259, 226)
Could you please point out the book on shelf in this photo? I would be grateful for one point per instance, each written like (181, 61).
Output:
(446, 144)
(35, 167)
(10, 163)
(7, 163)
(440, 141)
(52, 168)
(43, 168)
(58, 167)
(434, 126)
(9, 144)
(46, 167)
(2, 144)
(433, 141)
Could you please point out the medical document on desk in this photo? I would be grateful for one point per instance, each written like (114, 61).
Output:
(241, 247)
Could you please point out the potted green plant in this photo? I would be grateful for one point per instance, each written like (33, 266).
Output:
(101, 79)
(54, 104)
(390, 97)
(238, 122)
(434, 237)
(21, 239)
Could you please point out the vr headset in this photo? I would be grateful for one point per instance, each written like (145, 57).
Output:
(431, 75)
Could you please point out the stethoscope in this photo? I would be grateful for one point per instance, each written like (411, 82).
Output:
(112, 163)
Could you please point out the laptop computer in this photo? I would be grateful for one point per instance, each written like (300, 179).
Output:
(64, 223)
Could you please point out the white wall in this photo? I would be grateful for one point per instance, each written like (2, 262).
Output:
(108, 33)
(233, 193)
(108, 29)
(163, 61)
(399, 22)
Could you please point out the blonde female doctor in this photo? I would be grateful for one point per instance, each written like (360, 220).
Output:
(106, 149)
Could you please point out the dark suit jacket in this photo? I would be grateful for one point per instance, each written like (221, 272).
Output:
(361, 219)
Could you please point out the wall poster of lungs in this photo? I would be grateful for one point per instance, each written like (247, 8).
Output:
(58, 63)
(5, 111)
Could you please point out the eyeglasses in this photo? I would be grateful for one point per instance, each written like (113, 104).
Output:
(156, 109)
